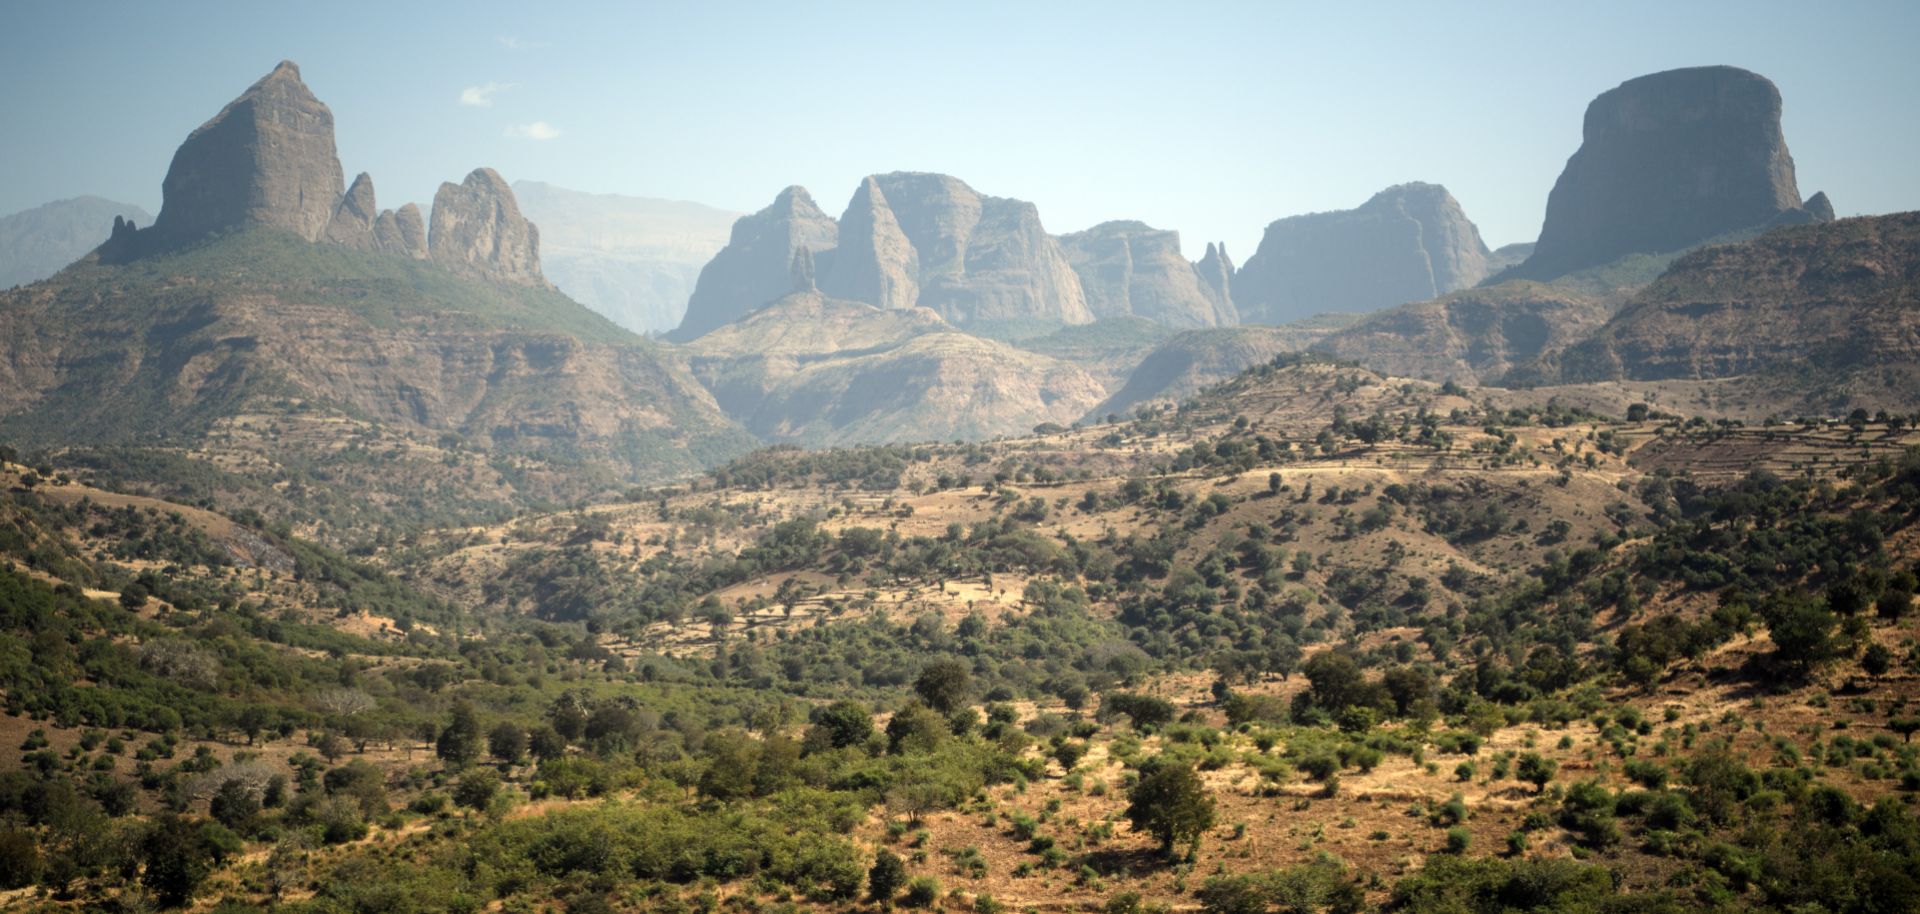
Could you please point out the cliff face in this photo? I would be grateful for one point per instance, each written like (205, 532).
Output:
(1667, 161)
(1407, 243)
(875, 263)
(756, 266)
(477, 229)
(266, 160)
(982, 258)
(1128, 269)
(1824, 300)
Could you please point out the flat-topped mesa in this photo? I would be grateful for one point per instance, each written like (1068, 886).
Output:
(875, 262)
(267, 159)
(756, 266)
(477, 229)
(1667, 161)
(1407, 243)
(1130, 269)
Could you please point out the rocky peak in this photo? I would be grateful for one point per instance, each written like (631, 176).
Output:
(477, 229)
(353, 219)
(875, 262)
(1818, 207)
(1129, 268)
(267, 159)
(1665, 162)
(1216, 275)
(402, 232)
(1406, 243)
(756, 266)
(982, 258)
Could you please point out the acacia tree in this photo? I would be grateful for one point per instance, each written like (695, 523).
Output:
(1171, 804)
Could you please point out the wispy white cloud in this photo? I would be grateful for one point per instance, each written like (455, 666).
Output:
(482, 96)
(538, 130)
(516, 43)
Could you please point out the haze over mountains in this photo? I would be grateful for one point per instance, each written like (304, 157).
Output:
(926, 310)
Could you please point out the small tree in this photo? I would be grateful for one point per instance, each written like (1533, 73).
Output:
(1536, 770)
(943, 684)
(459, 743)
(1171, 804)
(477, 788)
(507, 742)
(1877, 660)
(179, 855)
(886, 877)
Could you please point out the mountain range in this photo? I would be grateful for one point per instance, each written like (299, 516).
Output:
(270, 290)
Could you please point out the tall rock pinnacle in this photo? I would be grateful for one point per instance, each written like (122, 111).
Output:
(477, 229)
(267, 159)
(1665, 162)
(875, 262)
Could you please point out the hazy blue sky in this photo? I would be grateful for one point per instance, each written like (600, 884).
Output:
(1213, 119)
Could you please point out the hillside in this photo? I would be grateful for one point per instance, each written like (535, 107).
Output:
(193, 350)
(1473, 336)
(1819, 313)
(1387, 641)
(817, 371)
(37, 243)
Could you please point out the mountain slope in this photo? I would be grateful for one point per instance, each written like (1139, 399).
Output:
(1473, 336)
(818, 371)
(36, 243)
(1824, 305)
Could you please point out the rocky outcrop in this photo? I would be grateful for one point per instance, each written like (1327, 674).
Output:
(1474, 336)
(982, 259)
(353, 220)
(1820, 302)
(477, 229)
(756, 265)
(1131, 269)
(875, 263)
(37, 243)
(1666, 162)
(633, 259)
(402, 232)
(1216, 277)
(1407, 243)
(267, 159)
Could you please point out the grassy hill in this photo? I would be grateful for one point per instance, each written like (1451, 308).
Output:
(1314, 638)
